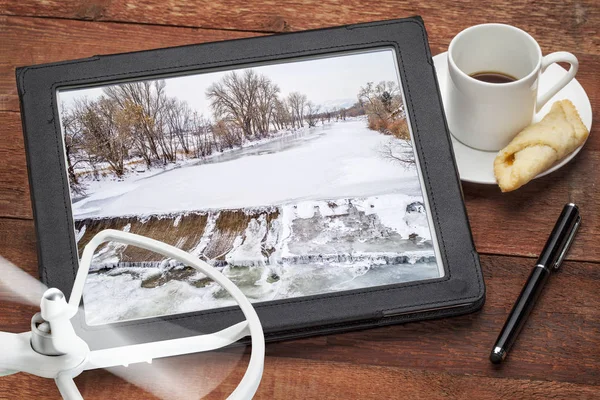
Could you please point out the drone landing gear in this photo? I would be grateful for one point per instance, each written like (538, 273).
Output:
(66, 387)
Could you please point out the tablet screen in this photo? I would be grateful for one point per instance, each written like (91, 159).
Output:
(294, 178)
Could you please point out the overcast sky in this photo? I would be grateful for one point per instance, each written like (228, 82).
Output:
(325, 81)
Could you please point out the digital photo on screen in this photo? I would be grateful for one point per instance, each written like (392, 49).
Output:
(294, 178)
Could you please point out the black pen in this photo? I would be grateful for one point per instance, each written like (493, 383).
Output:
(550, 259)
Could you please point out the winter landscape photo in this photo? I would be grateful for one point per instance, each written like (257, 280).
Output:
(292, 179)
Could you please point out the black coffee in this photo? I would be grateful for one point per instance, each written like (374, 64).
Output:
(493, 77)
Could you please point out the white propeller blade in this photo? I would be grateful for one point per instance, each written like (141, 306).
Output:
(251, 379)
(146, 352)
(174, 378)
(186, 377)
(18, 285)
(165, 382)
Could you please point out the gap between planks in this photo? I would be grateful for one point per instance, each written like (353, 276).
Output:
(116, 21)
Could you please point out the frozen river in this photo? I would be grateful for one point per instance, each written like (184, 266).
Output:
(338, 160)
(340, 216)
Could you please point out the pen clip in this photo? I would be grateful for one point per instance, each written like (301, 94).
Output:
(568, 243)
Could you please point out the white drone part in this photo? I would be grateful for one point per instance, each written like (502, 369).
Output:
(53, 350)
(57, 314)
(13, 280)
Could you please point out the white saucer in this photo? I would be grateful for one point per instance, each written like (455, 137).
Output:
(477, 166)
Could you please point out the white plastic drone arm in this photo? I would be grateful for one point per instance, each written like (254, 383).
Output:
(57, 312)
(251, 379)
(66, 387)
(146, 352)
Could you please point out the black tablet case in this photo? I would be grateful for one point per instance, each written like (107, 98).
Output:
(460, 291)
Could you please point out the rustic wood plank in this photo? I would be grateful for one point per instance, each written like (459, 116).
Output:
(518, 223)
(566, 320)
(286, 378)
(438, 359)
(14, 185)
(28, 41)
(568, 23)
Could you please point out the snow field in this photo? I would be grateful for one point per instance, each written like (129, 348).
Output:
(334, 161)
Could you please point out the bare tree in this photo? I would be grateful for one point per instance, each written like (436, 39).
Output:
(132, 120)
(282, 118)
(382, 103)
(398, 151)
(167, 139)
(178, 118)
(73, 141)
(202, 139)
(232, 97)
(312, 112)
(265, 104)
(247, 100)
(145, 104)
(102, 138)
(381, 99)
(229, 135)
(297, 102)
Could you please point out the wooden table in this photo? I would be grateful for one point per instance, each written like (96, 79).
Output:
(557, 354)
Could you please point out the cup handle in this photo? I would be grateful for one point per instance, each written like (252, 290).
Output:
(559, 56)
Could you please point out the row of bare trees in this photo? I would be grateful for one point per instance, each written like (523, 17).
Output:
(383, 105)
(382, 102)
(251, 103)
(130, 120)
(140, 121)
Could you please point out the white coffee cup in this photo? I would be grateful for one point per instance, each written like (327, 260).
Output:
(484, 115)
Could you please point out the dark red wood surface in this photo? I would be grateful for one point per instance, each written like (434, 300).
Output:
(557, 353)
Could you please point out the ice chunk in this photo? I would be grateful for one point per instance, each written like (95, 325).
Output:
(207, 234)
(177, 221)
(247, 251)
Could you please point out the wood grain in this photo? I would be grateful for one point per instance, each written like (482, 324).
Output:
(15, 200)
(572, 24)
(518, 223)
(28, 41)
(287, 378)
(556, 356)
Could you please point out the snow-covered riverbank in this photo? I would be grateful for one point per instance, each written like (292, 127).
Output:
(327, 162)
(321, 212)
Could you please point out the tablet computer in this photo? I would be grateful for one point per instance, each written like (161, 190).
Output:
(314, 169)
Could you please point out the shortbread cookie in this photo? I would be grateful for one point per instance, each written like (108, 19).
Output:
(539, 146)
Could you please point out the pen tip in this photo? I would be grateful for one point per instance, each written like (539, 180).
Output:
(497, 355)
